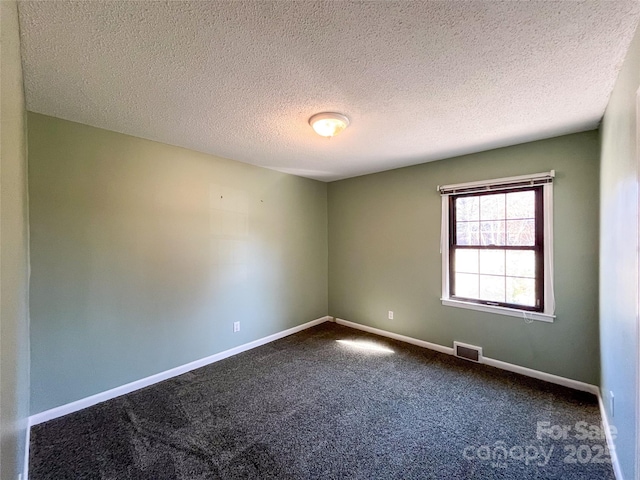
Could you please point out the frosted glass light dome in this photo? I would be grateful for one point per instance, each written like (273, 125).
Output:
(328, 124)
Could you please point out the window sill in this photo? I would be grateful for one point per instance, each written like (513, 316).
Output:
(512, 312)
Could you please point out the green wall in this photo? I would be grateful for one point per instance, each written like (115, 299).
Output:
(619, 329)
(384, 240)
(143, 255)
(14, 260)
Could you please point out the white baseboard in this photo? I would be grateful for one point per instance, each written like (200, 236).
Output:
(27, 441)
(159, 377)
(547, 377)
(396, 336)
(615, 464)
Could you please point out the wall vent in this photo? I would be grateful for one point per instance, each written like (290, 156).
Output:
(468, 352)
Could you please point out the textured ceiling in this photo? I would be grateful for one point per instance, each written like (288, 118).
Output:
(420, 81)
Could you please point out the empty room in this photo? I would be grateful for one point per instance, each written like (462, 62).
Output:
(277, 239)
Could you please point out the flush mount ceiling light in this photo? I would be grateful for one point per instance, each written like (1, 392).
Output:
(328, 124)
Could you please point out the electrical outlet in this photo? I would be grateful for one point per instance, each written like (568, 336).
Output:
(390, 315)
(236, 326)
(612, 404)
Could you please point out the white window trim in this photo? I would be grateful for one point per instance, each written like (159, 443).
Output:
(512, 312)
(549, 299)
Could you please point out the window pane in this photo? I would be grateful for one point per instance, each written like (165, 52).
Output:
(521, 263)
(467, 209)
(521, 291)
(467, 233)
(521, 232)
(466, 261)
(492, 233)
(466, 285)
(492, 262)
(492, 207)
(521, 204)
(492, 288)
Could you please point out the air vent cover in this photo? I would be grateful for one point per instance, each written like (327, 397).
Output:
(468, 352)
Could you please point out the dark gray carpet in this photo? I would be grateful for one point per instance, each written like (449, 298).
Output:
(308, 406)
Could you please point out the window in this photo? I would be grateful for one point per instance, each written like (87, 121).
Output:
(497, 246)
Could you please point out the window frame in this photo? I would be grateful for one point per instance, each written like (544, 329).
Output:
(543, 242)
(537, 248)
